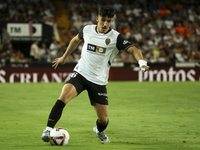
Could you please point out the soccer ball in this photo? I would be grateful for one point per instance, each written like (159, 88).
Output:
(59, 137)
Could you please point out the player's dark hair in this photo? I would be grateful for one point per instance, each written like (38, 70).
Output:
(106, 11)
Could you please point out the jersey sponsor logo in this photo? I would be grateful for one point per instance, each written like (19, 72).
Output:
(91, 47)
(107, 41)
(96, 49)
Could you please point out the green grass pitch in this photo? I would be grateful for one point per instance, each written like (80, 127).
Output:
(143, 116)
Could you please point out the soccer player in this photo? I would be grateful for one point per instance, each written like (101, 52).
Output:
(101, 45)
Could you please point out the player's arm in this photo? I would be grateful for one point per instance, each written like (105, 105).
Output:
(123, 44)
(138, 56)
(72, 46)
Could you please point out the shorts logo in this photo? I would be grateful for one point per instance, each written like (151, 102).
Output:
(96, 49)
(107, 41)
(74, 74)
(102, 94)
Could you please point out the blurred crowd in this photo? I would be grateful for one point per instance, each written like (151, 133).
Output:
(38, 52)
(25, 11)
(164, 31)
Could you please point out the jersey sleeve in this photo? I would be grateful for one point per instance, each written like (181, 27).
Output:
(122, 43)
(80, 34)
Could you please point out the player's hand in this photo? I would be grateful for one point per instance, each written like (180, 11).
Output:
(58, 61)
(144, 68)
(143, 65)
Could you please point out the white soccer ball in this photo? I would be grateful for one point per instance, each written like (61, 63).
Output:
(59, 137)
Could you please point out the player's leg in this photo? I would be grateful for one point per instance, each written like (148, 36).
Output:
(102, 121)
(99, 100)
(71, 89)
(68, 92)
(102, 114)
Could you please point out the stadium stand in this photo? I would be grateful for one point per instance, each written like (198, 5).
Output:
(164, 31)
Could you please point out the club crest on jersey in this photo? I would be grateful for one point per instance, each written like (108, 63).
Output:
(107, 41)
(96, 49)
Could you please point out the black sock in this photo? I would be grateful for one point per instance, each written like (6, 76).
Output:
(101, 127)
(56, 113)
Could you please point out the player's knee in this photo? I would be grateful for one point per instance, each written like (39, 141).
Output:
(65, 98)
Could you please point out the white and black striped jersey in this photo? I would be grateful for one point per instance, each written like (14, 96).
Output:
(98, 51)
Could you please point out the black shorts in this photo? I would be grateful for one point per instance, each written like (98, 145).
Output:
(97, 93)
